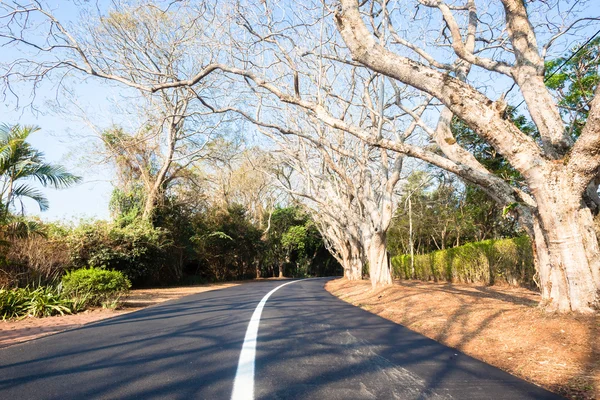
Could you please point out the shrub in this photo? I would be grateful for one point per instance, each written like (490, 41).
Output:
(13, 303)
(37, 260)
(43, 301)
(95, 286)
(46, 301)
(138, 250)
(35, 256)
(490, 261)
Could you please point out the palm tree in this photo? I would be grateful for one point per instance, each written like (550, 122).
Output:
(20, 164)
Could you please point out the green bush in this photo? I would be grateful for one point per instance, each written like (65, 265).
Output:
(46, 301)
(43, 301)
(13, 303)
(95, 286)
(490, 261)
(138, 250)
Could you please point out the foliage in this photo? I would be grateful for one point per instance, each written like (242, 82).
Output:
(490, 261)
(293, 241)
(485, 153)
(79, 289)
(138, 250)
(574, 82)
(36, 259)
(20, 163)
(127, 206)
(43, 301)
(95, 286)
(227, 244)
(446, 215)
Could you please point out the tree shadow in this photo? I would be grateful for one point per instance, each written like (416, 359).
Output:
(311, 345)
(472, 325)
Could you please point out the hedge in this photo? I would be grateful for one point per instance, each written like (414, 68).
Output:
(490, 261)
(95, 286)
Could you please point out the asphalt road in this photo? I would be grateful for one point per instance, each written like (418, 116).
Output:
(310, 346)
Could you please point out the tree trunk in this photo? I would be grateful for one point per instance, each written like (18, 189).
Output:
(353, 270)
(410, 240)
(379, 264)
(353, 264)
(566, 249)
(150, 204)
(281, 270)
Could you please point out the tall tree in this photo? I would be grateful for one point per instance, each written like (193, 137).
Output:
(450, 71)
(556, 169)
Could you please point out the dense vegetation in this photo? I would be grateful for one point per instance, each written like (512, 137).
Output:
(54, 268)
(220, 244)
(193, 202)
(78, 291)
(508, 261)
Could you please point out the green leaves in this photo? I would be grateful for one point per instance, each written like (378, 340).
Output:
(20, 162)
(95, 286)
(508, 208)
(573, 79)
(43, 301)
(79, 289)
(295, 238)
(220, 235)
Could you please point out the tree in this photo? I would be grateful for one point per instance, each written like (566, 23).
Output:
(278, 252)
(237, 175)
(556, 169)
(20, 164)
(448, 71)
(445, 213)
(226, 243)
(348, 189)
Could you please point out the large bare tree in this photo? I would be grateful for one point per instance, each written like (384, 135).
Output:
(165, 132)
(557, 169)
(476, 53)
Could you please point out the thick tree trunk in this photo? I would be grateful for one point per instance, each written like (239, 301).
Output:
(353, 264)
(379, 265)
(353, 270)
(281, 270)
(566, 249)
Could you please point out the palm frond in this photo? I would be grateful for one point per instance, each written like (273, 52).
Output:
(24, 190)
(13, 145)
(53, 175)
(20, 161)
(21, 229)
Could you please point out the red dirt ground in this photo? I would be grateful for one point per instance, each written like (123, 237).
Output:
(501, 326)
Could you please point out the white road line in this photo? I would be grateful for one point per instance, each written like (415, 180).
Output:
(243, 386)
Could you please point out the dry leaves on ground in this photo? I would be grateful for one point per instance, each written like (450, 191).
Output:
(499, 325)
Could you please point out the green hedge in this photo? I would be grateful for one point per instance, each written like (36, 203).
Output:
(490, 261)
(95, 286)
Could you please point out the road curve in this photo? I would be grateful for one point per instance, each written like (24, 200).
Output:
(310, 345)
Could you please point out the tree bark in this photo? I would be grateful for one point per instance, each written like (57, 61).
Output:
(379, 264)
(353, 264)
(566, 246)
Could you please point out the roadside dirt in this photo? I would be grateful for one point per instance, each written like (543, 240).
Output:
(501, 326)
(17, 331)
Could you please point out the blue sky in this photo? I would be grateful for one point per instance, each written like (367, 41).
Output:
(90, 198)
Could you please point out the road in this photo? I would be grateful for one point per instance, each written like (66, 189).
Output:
(310, 345)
